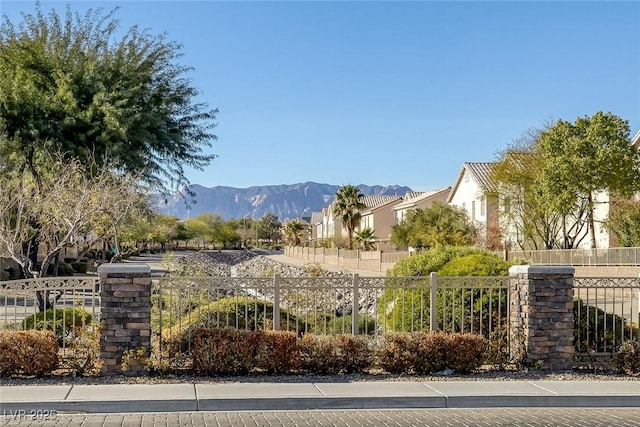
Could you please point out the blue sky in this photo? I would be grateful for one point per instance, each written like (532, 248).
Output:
(388, 92)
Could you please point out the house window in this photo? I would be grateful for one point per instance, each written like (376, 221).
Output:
(483, 211)
(473, 210)
(466, 176)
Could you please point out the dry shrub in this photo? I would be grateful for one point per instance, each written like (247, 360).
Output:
(429, 352)
(320, 354)
(278, 352)
(30, 353)
(400, 351)
(433, 352)
(83, 352)
(355, 353)
(628, 357)
(225, 351)
(466, 352)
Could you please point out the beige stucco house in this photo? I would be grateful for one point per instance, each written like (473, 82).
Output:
(379, 215)
(418, 200)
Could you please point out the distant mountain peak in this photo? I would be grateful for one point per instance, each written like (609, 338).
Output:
(287, 201)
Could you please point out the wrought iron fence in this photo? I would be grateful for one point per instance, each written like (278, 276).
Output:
(579, 257)
(61, 304)
(606, 313)
(327, 305)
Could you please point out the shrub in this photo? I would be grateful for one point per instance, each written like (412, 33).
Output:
(28, 353)
(79, 267)
(224, 351)
(64, 269)
(399, 352)
(628, 357)
(320, 354)
(241, 313)
(406, 310)
(278, 352)
(597, 330)
(342, 324)
(476, 264)
(465, 352)
(355, 353)
(83, 351)
(60, 320)
(432, 353)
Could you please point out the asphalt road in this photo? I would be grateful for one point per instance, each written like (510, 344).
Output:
(565, 417)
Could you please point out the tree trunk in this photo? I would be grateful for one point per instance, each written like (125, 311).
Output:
(592, 222)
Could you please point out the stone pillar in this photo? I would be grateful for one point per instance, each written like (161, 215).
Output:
(542, 316)
(125, 312)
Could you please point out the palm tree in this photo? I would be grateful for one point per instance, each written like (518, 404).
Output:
(347, 207)
(366, 239)
(293, 231)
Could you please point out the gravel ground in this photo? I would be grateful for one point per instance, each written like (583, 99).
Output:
(480, 375)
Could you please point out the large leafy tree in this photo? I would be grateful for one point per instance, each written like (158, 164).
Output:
(529, 222)
(348, 208)
(440, 225)
(71, 83)
(624, 222)
(269, 228)
(580, 159)
(65, 204)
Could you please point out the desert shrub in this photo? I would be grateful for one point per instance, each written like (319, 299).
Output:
(320, 354)
(597, 330)
(83, 351)
(225, 351)
(628, 357)
(314, 270)
(432, 352)
(278, 352)
(342, 324)
(498, 353)
(405, 310)
(422, 263)
(399, 352)
(31, 353)
(64, 269)
(355, 353)
(79, 267)
(241, 313)
(465, 352)
(61, 321)
(475, 264)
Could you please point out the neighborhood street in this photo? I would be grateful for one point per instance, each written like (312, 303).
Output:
(566, 417)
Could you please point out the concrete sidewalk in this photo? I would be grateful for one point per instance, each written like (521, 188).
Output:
(126, 398)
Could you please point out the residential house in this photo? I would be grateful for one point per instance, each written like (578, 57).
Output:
(418, 200)
(476, 193)
(379, 215)
(316, 225)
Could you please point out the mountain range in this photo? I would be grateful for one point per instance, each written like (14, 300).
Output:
(285, 201)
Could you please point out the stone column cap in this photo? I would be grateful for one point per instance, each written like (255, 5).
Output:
(129, 267)
(541, 269)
